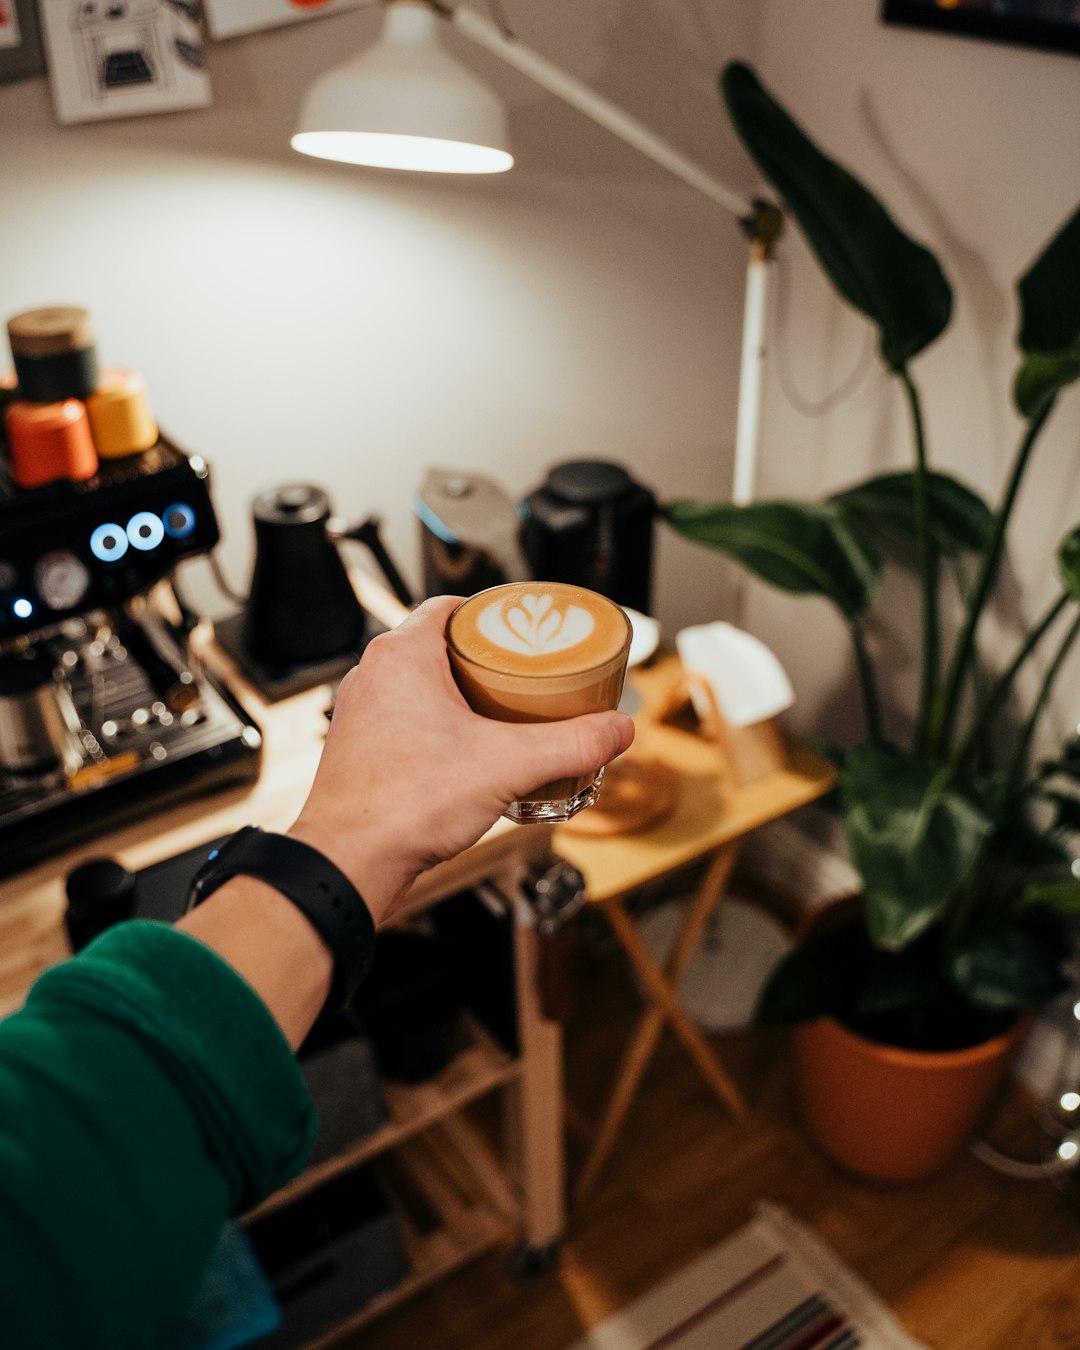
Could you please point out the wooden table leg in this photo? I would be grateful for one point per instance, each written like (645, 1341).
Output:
(663, 988)
(534, 1102)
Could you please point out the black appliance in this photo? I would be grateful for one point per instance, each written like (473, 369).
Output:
(590, 524)
(73, 547)
(105, 710)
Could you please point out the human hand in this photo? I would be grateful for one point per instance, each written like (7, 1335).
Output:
(410, 775)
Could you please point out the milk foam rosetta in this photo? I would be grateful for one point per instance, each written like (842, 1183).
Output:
(538, 628)
(534, 624)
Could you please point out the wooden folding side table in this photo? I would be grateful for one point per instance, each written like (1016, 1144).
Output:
(710, 818)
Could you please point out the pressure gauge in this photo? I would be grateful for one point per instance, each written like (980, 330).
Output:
(61, 579)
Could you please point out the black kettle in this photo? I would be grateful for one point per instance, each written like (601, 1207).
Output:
(301, 606)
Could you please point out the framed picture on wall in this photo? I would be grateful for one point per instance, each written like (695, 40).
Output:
(229, 18)
(1053, 25)
(20, 41)
(124, 58)
(9, 25)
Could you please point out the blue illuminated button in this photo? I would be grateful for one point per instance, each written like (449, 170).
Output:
(145, 531)
(108, 543)
(179, 520)
(22, 608)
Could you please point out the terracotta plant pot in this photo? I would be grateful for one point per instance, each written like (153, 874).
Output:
(891, 1114)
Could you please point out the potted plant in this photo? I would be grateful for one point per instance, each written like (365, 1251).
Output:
(965, 918)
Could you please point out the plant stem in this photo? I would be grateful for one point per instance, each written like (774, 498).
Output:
(928, 569)
(871, 703)
(942, 732)
(1002, 685)
(1020, 755)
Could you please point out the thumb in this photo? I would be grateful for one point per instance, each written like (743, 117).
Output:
(539, 752)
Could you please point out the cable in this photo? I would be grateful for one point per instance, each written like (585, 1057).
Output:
(1027, 1171)
(221, 581)
(807, 406)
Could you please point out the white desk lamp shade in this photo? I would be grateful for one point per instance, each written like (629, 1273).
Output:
(405, 103)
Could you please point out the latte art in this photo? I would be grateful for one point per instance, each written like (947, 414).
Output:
(532, 624)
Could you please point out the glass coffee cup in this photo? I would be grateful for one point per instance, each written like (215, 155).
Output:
(541, 651)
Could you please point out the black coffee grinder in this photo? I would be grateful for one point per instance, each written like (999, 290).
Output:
(591, 524)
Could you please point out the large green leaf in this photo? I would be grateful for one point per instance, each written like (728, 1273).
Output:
(914, 842)
(1041, 376)
(960, 521)
(805, 548)
(1069, 562)
(897, 283)
(1004, 966)
(1061, 897)
(1049, 333)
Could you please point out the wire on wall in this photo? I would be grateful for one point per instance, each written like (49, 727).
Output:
(809, 407)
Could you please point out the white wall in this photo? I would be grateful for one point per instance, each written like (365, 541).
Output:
(299, 320)
(296, 320)
(973, 145)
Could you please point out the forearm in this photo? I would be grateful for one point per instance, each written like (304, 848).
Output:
(148, 1096)
(271, 945)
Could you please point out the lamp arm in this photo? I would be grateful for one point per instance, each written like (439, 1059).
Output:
(761, 221)
(601, 110)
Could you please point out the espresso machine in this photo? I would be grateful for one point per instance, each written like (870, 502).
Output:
(105, 711)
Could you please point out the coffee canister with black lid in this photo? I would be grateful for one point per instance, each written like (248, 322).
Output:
(54, 352)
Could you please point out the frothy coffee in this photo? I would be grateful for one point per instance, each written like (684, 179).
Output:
(539, 652)
(538, 629)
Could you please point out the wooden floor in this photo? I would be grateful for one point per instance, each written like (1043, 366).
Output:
(970, 1260)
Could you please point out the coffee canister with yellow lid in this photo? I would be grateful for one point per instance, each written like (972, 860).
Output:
(120, 418)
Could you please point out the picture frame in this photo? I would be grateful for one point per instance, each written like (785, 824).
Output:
(1050, 25)
(21, 54)
(128, 59)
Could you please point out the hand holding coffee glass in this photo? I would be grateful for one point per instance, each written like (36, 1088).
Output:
(541, 651)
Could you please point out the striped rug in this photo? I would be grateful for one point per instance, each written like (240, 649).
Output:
(773, 1285)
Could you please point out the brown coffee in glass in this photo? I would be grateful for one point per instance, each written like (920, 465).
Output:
(541, 651)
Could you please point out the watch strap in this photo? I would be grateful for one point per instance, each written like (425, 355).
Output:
(319, 889)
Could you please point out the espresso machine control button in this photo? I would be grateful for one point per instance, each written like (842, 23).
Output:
(61, 579)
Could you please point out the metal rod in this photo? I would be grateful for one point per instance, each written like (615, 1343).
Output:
(601, 110)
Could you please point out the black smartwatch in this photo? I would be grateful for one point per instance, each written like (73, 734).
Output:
(321, 891)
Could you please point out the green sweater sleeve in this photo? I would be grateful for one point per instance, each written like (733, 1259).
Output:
(145, 1094)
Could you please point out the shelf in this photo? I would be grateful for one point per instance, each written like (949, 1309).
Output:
(478, 1068)
(462, 1227)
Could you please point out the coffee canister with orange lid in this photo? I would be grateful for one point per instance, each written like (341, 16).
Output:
(120, 418)
(54, 353)
(49, 441)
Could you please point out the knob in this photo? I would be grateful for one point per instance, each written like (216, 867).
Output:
(61, 578)
(100, 893)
